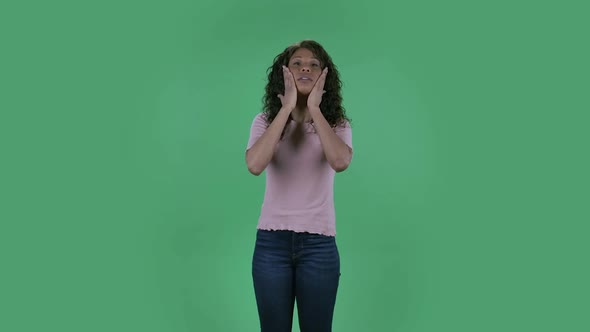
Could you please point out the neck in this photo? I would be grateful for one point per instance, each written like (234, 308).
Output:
(301, 113)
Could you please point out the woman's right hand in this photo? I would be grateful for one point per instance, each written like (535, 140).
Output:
(289, 99)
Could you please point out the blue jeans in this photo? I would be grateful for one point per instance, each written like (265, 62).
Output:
(289, 266)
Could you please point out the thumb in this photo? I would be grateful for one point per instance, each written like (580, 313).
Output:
(280, 97)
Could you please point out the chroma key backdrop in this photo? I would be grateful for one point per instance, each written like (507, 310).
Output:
(126, 204)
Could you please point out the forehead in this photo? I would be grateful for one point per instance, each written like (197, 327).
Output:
(303, 53)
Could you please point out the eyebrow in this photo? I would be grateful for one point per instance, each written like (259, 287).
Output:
(313, 57)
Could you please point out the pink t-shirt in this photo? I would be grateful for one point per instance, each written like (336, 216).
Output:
(299, 194)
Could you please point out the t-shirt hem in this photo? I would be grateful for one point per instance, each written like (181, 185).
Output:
(297, 228)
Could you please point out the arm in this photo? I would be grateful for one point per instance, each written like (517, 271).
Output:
(260, 154)
(336, 151)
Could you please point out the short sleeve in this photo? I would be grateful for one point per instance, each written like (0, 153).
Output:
(257, 128)
(344, 131)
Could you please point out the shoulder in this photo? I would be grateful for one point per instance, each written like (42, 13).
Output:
(260, 117)
(343, 125)
(259, 124)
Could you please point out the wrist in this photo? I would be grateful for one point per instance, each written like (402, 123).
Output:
(314, 109)
(286, 109)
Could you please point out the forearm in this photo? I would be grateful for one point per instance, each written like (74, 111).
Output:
(261, 153)
(336, 151)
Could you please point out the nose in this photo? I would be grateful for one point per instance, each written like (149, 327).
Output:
(305, 69)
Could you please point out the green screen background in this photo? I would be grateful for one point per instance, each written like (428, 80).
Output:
(126, 204)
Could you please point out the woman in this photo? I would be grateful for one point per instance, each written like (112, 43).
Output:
(302, 138)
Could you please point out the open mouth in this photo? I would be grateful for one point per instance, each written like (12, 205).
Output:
(305, 79)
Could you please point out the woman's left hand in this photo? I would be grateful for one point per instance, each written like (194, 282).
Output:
(315, 96)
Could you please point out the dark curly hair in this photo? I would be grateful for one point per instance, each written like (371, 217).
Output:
(331, 105)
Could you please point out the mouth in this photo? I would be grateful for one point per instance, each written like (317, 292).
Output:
(305, 79)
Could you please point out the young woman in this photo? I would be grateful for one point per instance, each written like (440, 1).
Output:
(302, 138)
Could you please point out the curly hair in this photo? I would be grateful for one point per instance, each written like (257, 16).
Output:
(331, 104)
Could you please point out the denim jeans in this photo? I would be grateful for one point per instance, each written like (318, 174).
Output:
(302, 268)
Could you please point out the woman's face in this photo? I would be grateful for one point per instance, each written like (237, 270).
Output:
(306, 69)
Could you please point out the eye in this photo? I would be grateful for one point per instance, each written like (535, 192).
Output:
(315, 65)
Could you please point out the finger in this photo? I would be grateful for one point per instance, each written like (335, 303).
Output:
(285, 73)
(290, 76)
(319, 84)
(286, 70)
(324, 75)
